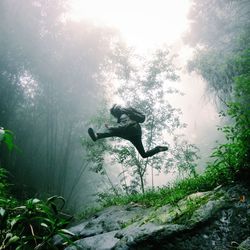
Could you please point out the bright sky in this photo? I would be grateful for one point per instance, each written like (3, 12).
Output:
(144, 24)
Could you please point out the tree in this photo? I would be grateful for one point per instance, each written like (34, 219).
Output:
(183, 156)
(49, 85)
(219, 68)
(232, 157)
(217, 23)
(219, 32)
(145, 86)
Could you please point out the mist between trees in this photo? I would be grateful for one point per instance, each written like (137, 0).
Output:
(55, 74)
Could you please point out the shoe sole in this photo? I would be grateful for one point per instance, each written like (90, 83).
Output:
(92, 134)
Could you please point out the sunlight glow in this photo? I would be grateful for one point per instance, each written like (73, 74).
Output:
(142, 23)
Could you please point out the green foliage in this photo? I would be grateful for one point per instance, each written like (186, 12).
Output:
(3, 183)
(7, 137)
(220, 37)
(233, 156)
(224, 63)
(183, 156)
(169, 194)
(31, 225)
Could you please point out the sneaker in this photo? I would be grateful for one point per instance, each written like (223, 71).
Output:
(163, 148)
(92, 134)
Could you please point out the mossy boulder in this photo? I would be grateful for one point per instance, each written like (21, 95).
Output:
(204, 220)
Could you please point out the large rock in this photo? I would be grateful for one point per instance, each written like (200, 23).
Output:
(101, 242)
(204, 220)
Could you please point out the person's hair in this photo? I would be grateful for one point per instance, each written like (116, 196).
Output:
(116, 111)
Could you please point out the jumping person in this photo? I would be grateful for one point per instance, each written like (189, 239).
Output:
(128, 129)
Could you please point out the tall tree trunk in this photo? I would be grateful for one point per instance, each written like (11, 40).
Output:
(152, 177)
(125, 181)
(142, 182)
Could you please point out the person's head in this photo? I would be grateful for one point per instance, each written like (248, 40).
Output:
(116, 110)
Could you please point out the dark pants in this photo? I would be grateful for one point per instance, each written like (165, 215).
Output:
(132, 133)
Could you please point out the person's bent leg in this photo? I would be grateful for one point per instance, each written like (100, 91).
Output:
(145, 154)
(139, 146)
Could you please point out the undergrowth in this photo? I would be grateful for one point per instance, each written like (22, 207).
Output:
(30, 224)
(171, 194)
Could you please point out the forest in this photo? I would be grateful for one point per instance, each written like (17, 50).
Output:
(58, 77)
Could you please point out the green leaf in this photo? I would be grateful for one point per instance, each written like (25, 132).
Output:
(8, 140)
(35, 201)
(16, 220)
(65, 231)
(2, 212)
(44, 225)
(12, 240)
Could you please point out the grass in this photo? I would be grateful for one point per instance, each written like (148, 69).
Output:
(88, 212)
(165, 195)
(212, 177)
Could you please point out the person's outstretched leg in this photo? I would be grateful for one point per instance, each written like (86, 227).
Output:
(139, 146)
(108, 133)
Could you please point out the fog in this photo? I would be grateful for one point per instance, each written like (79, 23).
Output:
(58, 70)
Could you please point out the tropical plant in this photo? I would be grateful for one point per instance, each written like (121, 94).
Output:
(221, 39)
(32, 225)
(234, 155)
